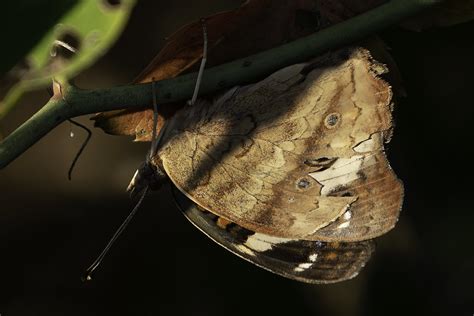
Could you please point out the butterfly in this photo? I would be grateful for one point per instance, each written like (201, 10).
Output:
(289, 173)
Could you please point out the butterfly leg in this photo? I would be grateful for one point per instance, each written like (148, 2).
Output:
(203, 63)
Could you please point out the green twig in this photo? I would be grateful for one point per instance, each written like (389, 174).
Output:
(76, 102)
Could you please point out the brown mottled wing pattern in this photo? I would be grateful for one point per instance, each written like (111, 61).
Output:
(301, 260)
(294, 154)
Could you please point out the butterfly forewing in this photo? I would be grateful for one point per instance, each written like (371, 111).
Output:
(298, 155)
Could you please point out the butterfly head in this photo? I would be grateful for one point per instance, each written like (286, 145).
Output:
(147, 175)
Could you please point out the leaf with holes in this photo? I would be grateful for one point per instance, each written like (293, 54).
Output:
(83, 34)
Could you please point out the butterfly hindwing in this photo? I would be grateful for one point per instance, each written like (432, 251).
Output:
(301, 260)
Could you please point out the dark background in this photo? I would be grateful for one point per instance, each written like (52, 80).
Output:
(51, 229)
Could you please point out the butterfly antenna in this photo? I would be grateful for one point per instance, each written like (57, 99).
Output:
(83, 146)
(203, 63)
(119, 231)
(100, 258)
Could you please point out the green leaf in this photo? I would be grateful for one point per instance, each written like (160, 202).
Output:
(23, 23)
(84, 32)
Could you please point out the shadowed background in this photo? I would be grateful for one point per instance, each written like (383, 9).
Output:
(52, 229)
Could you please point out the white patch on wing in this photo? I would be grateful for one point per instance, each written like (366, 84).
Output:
(303, 266)
(258, 245)
(344, 225)
(347, 215)
(313, 257)
(244, 249)
(345, 170)
(342, 172)
(261, 242)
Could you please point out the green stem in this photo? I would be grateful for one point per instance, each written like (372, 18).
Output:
(79, 102)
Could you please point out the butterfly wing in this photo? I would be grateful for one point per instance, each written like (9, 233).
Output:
(273, 157)
(301, 260)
